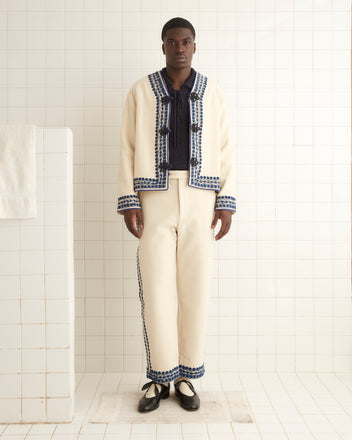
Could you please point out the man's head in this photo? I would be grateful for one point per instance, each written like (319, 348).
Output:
(178, 45)
(178, 22)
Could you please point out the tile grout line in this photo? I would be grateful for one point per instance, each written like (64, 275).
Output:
(332, 218)
(293, 401)
(104, 187)
(276, 375)
(275, 252)
(312, 396)
(294, 284)
(90, 403)
(251, 413)
(323, 384)
(84, 187)
(44, 242)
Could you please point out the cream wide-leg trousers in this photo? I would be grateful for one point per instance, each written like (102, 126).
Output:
(174, 273)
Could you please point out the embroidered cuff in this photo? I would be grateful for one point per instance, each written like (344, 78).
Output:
(128, 202)
(225, 202)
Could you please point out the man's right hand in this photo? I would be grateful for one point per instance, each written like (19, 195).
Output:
(134, 221)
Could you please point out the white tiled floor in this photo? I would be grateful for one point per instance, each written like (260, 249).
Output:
(284, 406)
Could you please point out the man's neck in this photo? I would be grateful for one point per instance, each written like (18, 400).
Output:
(178, 77)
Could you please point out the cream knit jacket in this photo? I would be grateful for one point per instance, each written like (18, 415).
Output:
(144, 142)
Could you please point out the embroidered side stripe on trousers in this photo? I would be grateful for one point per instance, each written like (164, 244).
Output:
(174, 272)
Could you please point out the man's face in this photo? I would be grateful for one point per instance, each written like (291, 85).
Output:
(178, 48)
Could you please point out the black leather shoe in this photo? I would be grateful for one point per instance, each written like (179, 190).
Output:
(147, 404)
(190, 403)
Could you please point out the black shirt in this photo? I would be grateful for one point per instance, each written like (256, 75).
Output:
(179, 122)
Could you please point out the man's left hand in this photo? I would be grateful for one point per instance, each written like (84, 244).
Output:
(226, 218)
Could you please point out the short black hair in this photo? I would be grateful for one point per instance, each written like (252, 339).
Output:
(177, 22)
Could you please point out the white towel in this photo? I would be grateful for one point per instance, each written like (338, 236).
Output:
(17, 171)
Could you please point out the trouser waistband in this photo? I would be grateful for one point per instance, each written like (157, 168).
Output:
(178, 174)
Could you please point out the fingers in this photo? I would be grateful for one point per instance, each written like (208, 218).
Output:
(226, 219)
(139, 215)
(215, 220)
(225, 227)
(133, 224)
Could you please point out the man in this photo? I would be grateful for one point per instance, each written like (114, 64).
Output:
(175, 182)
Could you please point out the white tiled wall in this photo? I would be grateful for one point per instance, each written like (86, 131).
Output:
(37, 295)
(281, 295)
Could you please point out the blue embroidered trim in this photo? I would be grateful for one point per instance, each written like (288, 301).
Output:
(205, 182)
(225, 202)
(196, 119)
(195, 141)
(161, 152)
(192, 373)
(180, 370)
(145, 184)
(128, 202)
(162, 376)
(146, 341)
(162, 124)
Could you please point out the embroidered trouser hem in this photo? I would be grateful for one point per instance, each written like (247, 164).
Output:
(174, 270)
(180, 370)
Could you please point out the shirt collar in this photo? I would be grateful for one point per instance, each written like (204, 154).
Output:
(188, 83)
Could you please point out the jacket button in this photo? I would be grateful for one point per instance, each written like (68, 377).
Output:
(164, 131)
(164, 166)
(194, 96)
(165, 99)
(194, 161)
(195, 128)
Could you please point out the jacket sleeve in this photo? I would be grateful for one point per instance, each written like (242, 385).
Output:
(226, 196)
(127, 197)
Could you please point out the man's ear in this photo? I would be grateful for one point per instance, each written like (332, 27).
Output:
(163, 48)
(194, 48)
